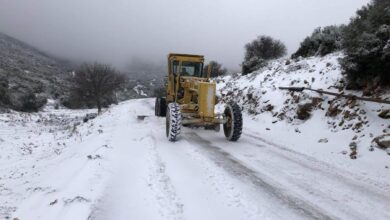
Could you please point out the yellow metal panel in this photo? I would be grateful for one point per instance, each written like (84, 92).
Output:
(186, 57)
(206, 99)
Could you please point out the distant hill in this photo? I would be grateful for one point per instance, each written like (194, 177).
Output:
(26, 72)
(28, 77)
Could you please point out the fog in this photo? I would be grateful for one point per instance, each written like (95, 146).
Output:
(126, 33)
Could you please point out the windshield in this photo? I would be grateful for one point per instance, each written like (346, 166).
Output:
(194, 69)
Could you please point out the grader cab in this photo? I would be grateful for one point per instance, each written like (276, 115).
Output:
(191, 98)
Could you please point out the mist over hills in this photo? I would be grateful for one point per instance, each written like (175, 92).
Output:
(27, 72)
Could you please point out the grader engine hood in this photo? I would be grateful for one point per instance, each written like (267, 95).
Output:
(206, 99)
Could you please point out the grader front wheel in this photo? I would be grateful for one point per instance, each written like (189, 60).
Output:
(233, 127)
(173, 121)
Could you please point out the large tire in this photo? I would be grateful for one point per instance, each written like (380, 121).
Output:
(233, 127)
(173, 121)
(160, 107)
(157, 107)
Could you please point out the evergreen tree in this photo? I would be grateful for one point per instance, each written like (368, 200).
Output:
(323, 41)
(367, 45)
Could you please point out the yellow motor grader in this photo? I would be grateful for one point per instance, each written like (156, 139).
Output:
(191, 98)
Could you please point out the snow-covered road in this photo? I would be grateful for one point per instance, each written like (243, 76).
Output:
(129, 170)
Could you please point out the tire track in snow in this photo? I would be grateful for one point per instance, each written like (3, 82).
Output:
(233, 166)
(328, 170)
(160, 183)
(223, 186)
(347, 188)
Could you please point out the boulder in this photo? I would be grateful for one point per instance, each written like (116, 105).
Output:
(385, 114)
(383, 141)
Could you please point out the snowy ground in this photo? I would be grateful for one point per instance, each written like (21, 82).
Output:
(324, 134)
(119, 167)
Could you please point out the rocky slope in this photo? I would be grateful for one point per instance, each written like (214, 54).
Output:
(26, 73)
(309, 114)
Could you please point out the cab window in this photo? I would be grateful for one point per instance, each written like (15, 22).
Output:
(194, 69)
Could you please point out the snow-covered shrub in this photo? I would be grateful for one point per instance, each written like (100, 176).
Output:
(259, 51)
(4, 94)
(366, 43)
(32, 102)
(253, 64)
(323, 41)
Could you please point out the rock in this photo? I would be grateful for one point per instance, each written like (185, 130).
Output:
(351, 103)
(383, 141)
(296, 98)
(89, 116)
(323, 140)
(54, 202)
(385, 114)
(333, 110)
(268, 129)
(316, 101)
(355, 138)
(344, 152)
(353, 145)
(268, 108)
(353, 155)
(249, 96)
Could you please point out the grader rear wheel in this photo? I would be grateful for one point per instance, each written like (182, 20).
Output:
(160, 107)
(233, 127)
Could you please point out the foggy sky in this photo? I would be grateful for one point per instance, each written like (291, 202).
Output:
(121, 32)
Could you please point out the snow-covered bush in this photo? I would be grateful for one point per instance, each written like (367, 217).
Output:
(366, 43)
(323, 41)
(4, 95)
(259, 51)
(32, 102)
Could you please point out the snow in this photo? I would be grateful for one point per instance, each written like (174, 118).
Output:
(117, 166)
(139, 90)
(306, 136)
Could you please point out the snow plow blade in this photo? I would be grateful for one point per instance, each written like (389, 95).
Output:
(142, 117)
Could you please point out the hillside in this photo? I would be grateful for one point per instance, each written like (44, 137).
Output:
(25, 70)
(335, 127)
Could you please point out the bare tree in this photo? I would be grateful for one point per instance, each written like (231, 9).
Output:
(216, 69)
(96, 83)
